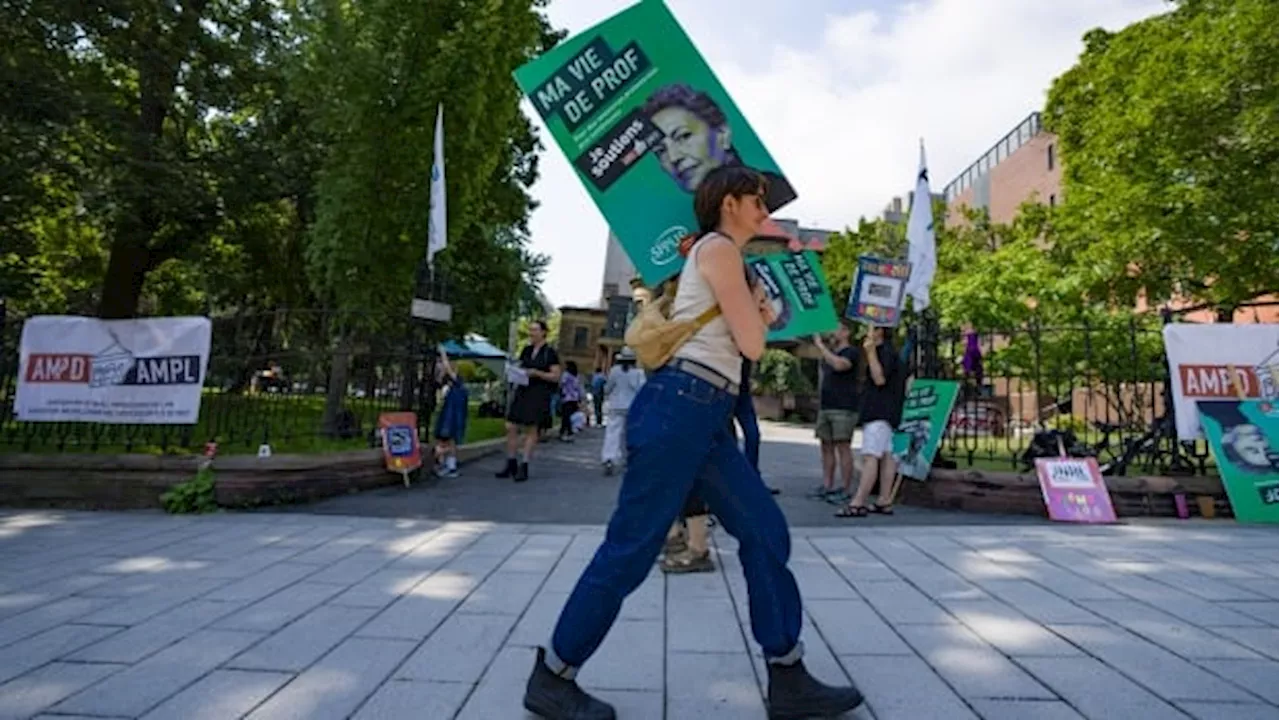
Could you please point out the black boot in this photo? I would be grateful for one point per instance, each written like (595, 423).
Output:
(795, 694)
(508, 471)
(522, 472)
(555, 698)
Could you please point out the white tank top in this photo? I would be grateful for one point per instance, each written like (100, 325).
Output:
(713, 345)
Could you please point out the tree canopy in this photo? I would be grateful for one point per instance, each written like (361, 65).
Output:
(1168, 132)
(231, 156)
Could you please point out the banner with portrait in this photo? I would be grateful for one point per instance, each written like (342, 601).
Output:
(641, 117)
(925, 411)
(797, 288)
(1242, 436)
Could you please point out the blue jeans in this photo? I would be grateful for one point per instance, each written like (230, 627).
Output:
(745, 413)
(678, 440)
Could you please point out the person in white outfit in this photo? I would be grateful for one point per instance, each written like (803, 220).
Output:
(624, 381)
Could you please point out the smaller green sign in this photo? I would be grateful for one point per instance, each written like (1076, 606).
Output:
(801, 301)
(1242, 435)
(924, 419)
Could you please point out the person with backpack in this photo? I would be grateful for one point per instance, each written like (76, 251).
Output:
(679, 441)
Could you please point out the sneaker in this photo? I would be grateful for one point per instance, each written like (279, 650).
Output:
(837, 497)
(819, 493)
(552, 697)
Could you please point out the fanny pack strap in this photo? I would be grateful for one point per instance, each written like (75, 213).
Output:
(706, 316)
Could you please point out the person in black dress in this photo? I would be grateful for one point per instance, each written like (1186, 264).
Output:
(531, 407)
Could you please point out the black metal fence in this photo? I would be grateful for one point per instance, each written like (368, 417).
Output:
(304, 380)
(298, 380)
(1106, 384)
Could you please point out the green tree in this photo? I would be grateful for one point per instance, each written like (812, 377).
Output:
(1168, 133)
(142, 106)
(375, 73)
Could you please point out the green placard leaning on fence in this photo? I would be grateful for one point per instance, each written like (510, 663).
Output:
(642, 119)
(925, 414)
(1242, 435)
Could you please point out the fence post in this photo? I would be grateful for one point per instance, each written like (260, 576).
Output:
(1170, 412)
(927, 345)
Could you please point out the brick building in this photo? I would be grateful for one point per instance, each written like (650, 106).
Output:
(1023, 165)
(582, 338)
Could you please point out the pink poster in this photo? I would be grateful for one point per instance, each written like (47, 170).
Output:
(1074, 491)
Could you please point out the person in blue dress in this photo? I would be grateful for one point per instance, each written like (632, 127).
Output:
(451, 421)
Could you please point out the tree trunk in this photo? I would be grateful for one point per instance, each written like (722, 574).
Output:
(337, 389)
(126, 272)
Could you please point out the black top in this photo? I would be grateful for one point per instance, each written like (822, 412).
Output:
(884, 402)
(541, 360)
(840, 387)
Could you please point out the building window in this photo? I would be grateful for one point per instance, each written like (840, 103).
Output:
(1049, 155)
(1053, 200)
(580, 337)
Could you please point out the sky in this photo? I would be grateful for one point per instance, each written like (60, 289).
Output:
(841, 92)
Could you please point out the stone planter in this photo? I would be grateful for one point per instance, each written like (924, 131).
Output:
(768, 407)
(131, 482)
(988, 491)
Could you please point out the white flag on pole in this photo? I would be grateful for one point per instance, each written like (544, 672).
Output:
(922, 250)
(436, 225)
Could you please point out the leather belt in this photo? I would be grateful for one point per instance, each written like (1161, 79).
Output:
(702, 372)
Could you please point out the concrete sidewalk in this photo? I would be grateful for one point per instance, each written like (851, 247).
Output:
(292, 616)
(568, 486)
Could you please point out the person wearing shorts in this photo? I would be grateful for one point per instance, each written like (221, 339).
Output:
(881, 413)
(837, 413)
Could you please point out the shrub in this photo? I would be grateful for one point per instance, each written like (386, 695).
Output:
(193, 496)
(779, 373)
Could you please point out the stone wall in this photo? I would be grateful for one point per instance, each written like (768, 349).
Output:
(132, 482)
(996, 492)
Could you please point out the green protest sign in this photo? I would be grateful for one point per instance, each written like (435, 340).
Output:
(642, 119)
(1242, 435)
(924, 419)
(795, 284)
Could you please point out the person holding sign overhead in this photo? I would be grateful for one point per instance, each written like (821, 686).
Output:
(679, 441)
(881, 413)
(838, 395)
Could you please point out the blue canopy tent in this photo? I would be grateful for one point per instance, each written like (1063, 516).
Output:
(478, 349)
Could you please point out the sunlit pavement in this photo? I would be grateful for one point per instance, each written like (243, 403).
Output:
(568, 486)
(305, 616)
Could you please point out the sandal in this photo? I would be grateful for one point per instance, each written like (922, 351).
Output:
(675, 546)
(852, 511)
(879, 509)
(687, 562)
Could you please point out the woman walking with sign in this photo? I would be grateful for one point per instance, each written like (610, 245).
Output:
(678, 441)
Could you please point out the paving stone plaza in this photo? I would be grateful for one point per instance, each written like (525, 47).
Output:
(274, 616)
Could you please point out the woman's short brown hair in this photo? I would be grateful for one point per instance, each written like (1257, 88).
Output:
(722, 182)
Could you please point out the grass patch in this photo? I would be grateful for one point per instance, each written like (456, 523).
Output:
(238, 423)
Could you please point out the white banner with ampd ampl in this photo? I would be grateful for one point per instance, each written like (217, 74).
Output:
(82, 369)
(1217, 361)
